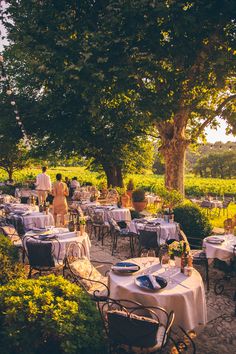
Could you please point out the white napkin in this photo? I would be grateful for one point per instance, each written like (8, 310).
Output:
(122, 269)
(154, 282)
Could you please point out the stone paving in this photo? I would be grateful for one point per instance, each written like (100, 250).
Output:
(219, 335)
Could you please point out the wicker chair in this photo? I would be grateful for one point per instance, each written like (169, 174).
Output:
(134, 328)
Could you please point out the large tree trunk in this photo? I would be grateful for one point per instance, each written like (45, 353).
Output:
(173, 149)
(174, 156)
(10, 174)
(114, 175)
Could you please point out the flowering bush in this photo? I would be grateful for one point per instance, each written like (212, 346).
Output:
(48, 315)
(10, 268)
(176, 248)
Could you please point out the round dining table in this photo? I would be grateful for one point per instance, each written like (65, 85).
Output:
(165, 230)
(185, 295)
(61, 239)
(223, 250)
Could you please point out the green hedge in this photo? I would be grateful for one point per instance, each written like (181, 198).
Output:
(48, 315)
(192, 220)
(10, 268)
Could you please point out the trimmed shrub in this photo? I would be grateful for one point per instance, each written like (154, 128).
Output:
(8, 189)
(10, 268)
(48, 315)
(192, 220)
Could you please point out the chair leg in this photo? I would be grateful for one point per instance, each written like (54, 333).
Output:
(113, 244)
(131, 246)
(235, 303)
(207, 275)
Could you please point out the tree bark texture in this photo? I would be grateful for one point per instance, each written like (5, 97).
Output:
(174, 157)
(173, 149)
(113, 175)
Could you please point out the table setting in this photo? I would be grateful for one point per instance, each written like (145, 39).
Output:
(165, 230)
(149, 282)
(61, 238)
(220, 246)
(118, 214)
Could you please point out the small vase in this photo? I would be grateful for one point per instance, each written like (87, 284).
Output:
(82, 229)
(177, 262)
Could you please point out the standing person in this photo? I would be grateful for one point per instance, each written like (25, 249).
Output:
(73, 185)
(67, 182)
(60, 192)
(43, 185)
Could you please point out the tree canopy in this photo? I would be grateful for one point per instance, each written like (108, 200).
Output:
(105, 71)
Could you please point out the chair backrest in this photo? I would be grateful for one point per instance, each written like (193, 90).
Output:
(113, 224)
(130, 323)
(205, 204)
(149, 237)
(132, 330)
(98, 217)
(226, 202)
(40, 254)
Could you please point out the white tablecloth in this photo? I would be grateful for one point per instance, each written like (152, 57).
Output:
(37, 219)
(185, 296)
(85, 205)
(118, 214)
(23, 207)
(64, 238)
(223, 251)
(167, 230)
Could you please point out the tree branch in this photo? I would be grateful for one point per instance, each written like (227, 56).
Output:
(216, 113)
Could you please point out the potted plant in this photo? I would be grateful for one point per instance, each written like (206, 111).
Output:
(130, 188)
(138, 199)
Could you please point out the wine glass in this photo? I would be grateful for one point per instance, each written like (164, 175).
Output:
(165, 261)
(144, 254)
(151, 255)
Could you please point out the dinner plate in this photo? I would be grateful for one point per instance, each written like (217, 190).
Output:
(125, 268)
(144, 282)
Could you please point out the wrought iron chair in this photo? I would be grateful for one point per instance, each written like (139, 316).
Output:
(230, 273)
(149, 238)
(80, 270)
(225, 206)
(198, 254)
(135, 328)
(100, 228)
(121, 233)
(41, 254)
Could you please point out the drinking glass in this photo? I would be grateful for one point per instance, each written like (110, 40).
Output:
(144, 254)
(165, 261)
